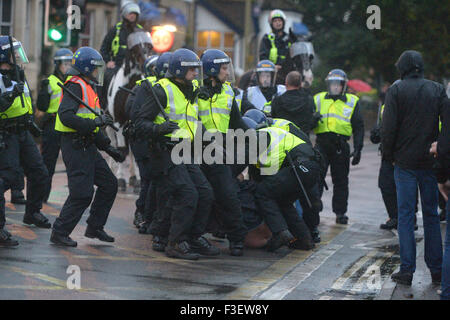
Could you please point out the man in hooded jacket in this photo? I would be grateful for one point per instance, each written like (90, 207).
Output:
(410, 125)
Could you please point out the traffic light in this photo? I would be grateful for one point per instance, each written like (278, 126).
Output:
(56, 30)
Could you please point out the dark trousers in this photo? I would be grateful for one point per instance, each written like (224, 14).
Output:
(190, 199)
(226, 194)
(50, 150)
(22, 152)
(144, 199)
(19, 183)
(386, 183)
(275, 196)
(85, 168)
(2, 203)
(336, 156)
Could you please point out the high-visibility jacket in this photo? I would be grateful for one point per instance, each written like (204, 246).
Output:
(273, 53)
(273, 157)
(179, 110)
(151, 79)
(16, 109)
(55, 93)
(256, 97)
(89, 96)
(336, 114)
(115, 45)
(215, 112)
(282, 124)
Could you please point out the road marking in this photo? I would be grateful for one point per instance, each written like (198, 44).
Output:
(280, 268)
(325, 298)
(339, 283)
(363, 280)
(375, 244)
(285, 286)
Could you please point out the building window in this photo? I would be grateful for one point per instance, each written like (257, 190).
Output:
(6, 16)
(215, 40)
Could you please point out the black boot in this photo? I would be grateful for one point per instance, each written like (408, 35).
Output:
(404, 278)
(6, 240)
(17, 197)
(389, 225)
(38, 219)
(315, 235)
(159, 243)
(236, 248)
(279, 239)
(138, 218)
(341, 219)
(99, 234)
(61, 240)
(145, 228)
(180, 250)
(203, 247)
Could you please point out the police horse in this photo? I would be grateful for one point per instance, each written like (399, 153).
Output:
(139, 48)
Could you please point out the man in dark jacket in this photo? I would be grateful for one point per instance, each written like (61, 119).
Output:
(410, 125)
(296, 104)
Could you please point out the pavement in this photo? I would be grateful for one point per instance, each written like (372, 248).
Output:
(353, 262)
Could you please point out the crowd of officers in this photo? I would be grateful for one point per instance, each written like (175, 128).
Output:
(270, 202)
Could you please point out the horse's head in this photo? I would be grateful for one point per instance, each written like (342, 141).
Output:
(302, 55)
(140, 47)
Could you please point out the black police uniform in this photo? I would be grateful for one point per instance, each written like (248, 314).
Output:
(190, 195)
(85, 168)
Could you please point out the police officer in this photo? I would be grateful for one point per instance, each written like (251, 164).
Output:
(278, 187)
(80, 141)
(48, 102)
(219, 112)
(275, 46)
(154, 69)
(16, 122)
(261, 95)
(311, 217)
(190, 193)
(340, 118)
(114, 45)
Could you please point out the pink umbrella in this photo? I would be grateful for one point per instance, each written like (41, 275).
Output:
(359, 85)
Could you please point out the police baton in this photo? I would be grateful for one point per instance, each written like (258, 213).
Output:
(291, 162)
(165, 116)
(127, 90)
(84, 104)
(13, 54)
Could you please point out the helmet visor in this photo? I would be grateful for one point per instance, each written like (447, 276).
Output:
(99, 71)
(335, 87)
(226, 72)
(19, 52)
(265, 79)
(194, 72)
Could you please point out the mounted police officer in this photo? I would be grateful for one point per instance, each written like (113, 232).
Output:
(114, 45)
(48, 102)
(219, 112)
(16, 122)
(190, 194)
(275, 46)
(340, 118)
(81, 141)
(260, 96)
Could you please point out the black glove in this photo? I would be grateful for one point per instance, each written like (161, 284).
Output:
(356, 155)
(165, 128)
(316, 118)
(18, 88)
(103, 120)
(45, 83)
(203, 93)
(115, 154)
(375, 136)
